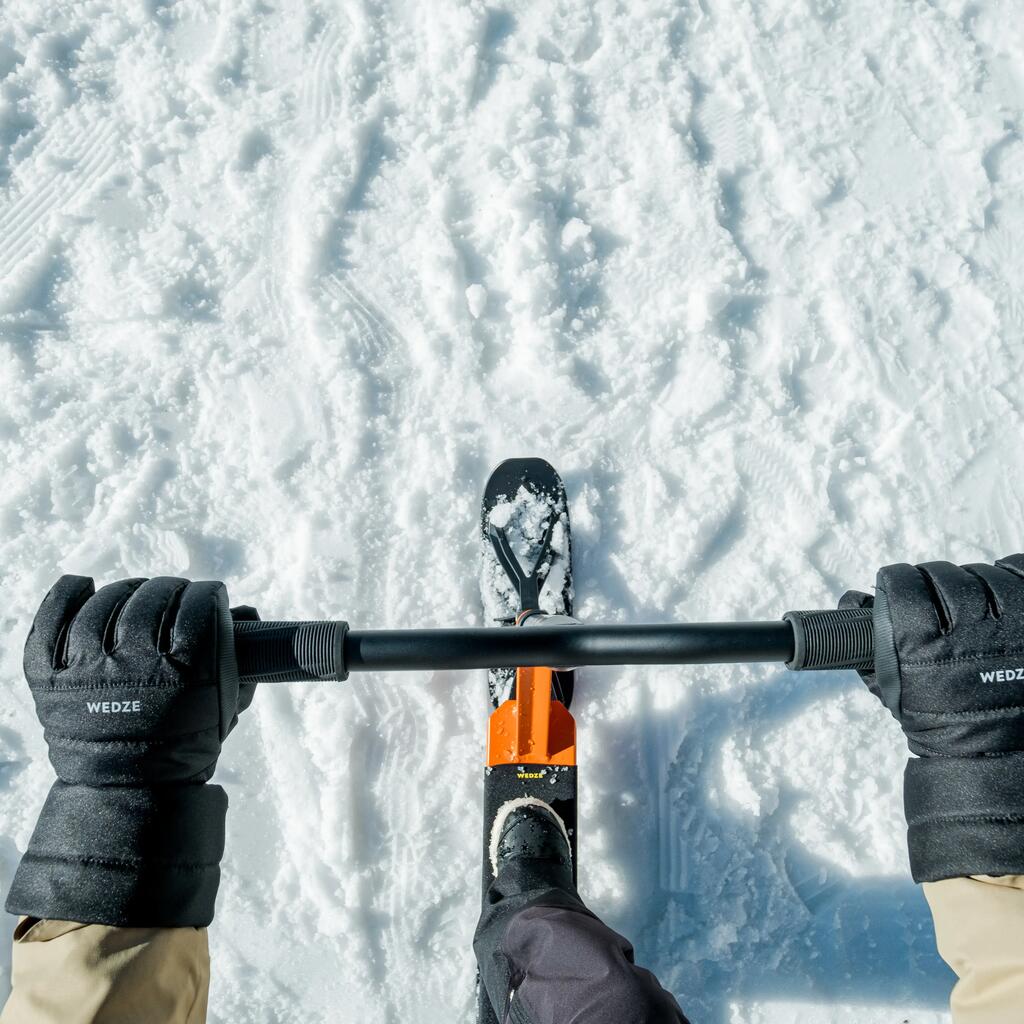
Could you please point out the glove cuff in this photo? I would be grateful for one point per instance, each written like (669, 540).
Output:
(124, 856)
(965, 816)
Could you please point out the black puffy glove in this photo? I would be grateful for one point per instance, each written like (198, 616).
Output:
(949, 665)
(136, 686)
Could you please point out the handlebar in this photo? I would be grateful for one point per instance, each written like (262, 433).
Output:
(280, 652)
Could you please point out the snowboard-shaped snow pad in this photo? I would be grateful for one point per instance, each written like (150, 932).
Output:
(525, 501)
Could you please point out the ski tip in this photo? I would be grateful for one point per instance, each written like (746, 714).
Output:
(525, 462)
(536, 475)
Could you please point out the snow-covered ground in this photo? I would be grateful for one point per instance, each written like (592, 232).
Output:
(281, 280)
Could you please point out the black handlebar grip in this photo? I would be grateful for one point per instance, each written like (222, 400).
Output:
(290, 652)
(840, 638)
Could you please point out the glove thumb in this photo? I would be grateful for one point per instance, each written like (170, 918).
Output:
(246, 691)
(858, 599)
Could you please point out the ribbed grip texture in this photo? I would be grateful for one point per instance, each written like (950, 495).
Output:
(290, 652)
(840, 638)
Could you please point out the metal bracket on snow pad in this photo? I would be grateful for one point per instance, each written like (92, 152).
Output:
(528, 584)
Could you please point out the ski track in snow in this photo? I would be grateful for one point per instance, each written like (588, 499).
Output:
(280, 284)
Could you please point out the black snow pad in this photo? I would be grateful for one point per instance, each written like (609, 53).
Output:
(541, 478)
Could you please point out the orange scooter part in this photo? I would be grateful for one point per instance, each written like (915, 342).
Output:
(532, 728)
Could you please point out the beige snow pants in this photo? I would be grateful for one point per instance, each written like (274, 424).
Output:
(66, 973)
(979, 927)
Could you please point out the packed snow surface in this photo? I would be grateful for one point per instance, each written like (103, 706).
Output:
(281, 282)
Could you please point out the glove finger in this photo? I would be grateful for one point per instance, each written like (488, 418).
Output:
(1012, 594)
(246, 692)
(962, 598)
(1004, 590)
(916, 623)
(1012, 563)
(245, 613)
(91, 635)
(44, 648)
(195, 638)
(203, 637)
(145, 621)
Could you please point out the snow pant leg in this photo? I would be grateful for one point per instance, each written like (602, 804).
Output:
(67, 973)
(979, 928)
(559, 963)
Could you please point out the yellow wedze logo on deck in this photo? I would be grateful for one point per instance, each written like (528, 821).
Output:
(531, 775)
